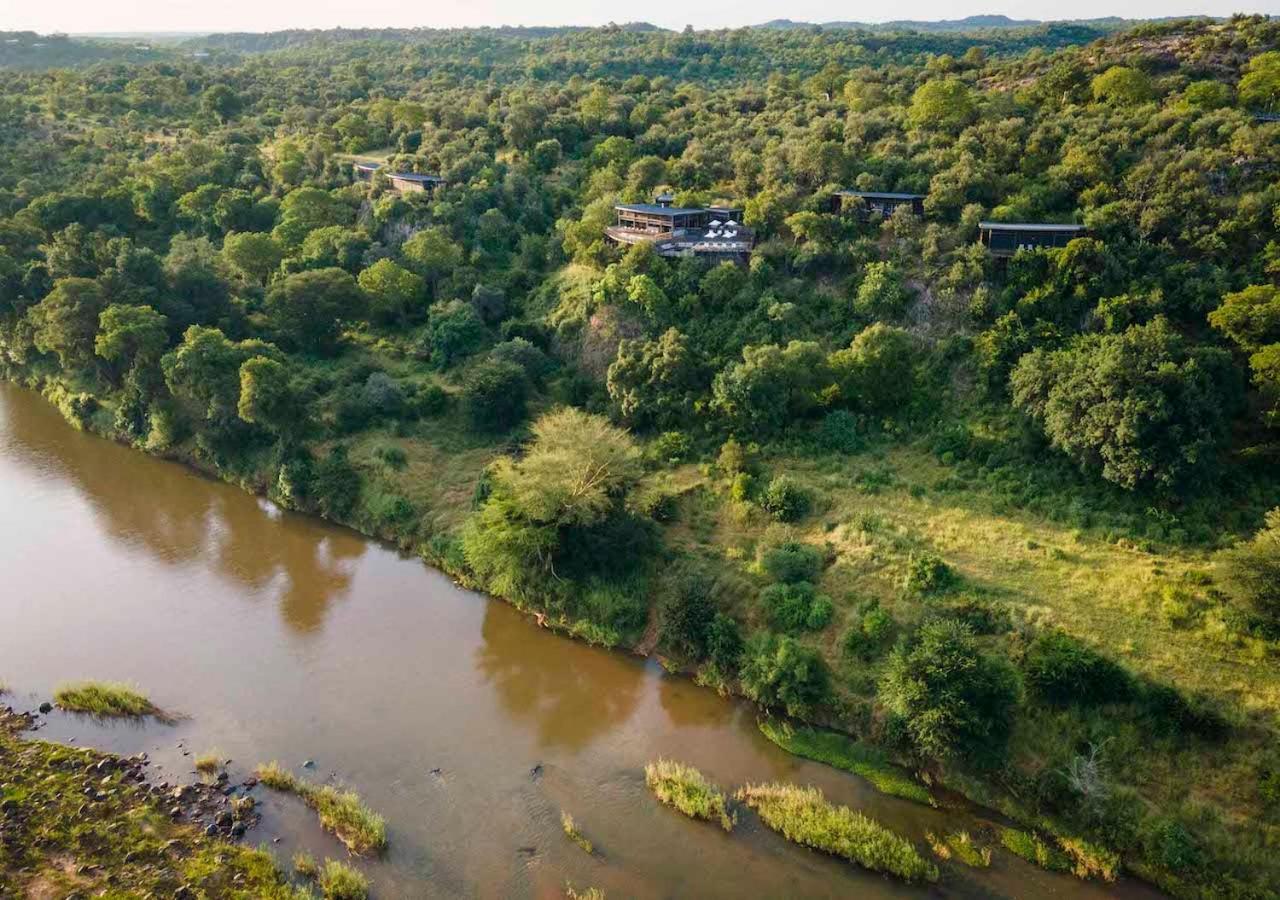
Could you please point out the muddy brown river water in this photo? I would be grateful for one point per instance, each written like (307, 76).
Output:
(277, 636)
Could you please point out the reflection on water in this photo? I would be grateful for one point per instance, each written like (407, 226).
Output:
(179, 519)
(469, 728)
(569, 698)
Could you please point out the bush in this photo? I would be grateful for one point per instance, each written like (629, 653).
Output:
(1174, 714)
(777, 672)
(536, 364)
(928, 574)
(871, 629)
(1060, 669)
(687, 616)
(454, 330)
(796, 607)
(494, 396)
(1251, 573)
(429, 400)
(742, 487)
(954, 701)
(734, 459)
(785, 500)
(1169, 845)
(792, 561)
(804, 816)
(384, 395)
(724, 643)
(839, 432)
(393, 456)
(335, 484)
(671, 447)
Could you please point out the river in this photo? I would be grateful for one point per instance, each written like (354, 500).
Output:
(278, 636)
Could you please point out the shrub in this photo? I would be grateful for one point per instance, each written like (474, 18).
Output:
(335, 484)
(928, 574)
(796, 607)
(785, 500)
(104, 698)
(454, 330)
(536, 364)
(1175, 714)
(740, 490)
(954, 701)
(1062, 670)
(724, 643)
(1251, 573)
(393, 456)
(383, 395)
(671, 446)
(429, 400)
(340, 881)
(839, 432)
(494, 396)
(792, 561)
(687, 617)
(686, 789)
(804, 816)
(871, 629)
(777, 672)
(1168, 844)
(734, 459)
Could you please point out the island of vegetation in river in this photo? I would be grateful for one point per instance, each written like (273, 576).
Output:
(923, 387)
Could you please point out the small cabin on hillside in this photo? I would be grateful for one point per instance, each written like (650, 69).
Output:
(710, 232)
(1266, 117)
(885, 203)
(364, 170)
(412, 181)
(1007, 238)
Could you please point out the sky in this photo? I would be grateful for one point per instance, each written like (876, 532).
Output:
(90, 16)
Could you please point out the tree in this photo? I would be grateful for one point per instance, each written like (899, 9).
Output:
(1260, 85)
(1250, 317)
(1145, 407)
(334, 246)
(876, 374)
(307, 309)
(220, 101)
(1122, 86)
(454, 330)
(268, 397)
(944, 104)
(204, 372)
(1251, 573)
(254, 254)
(393, 291)
(66, 321)
(777, 672)
(494, 395)
(654, 383)
(130, 335)
(881, 295)
(305, 209)
(954, 701)
(770, 386)
(432, 254)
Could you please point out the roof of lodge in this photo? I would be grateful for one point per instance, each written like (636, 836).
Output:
(880, 195)
(1028, 226)
(361, 164)
(653, 209)
(414, 176)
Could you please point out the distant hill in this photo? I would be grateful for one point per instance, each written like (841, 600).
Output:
(968, 23)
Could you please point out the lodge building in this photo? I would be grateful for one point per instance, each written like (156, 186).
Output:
(1007, 238)
(400, 181)
(707, 232)
(884, 203)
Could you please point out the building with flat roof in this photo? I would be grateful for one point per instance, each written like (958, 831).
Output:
(1007, 238)
(364, 170)
(884, 203)
(710, 232)
(400, 181)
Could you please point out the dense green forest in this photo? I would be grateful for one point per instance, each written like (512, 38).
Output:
(1006, 518)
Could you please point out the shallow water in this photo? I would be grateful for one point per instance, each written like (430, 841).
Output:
(277, 636)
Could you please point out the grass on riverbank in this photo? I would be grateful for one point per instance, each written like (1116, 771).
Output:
(574, 833)
(685, 788)
(67, 833)
(843, 752)
(804, 815)
(104, 698)
(961, 846)
(339, 881)
(209, 763)
(340, 812)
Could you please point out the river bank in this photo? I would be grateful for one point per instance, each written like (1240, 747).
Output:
(284, 638)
